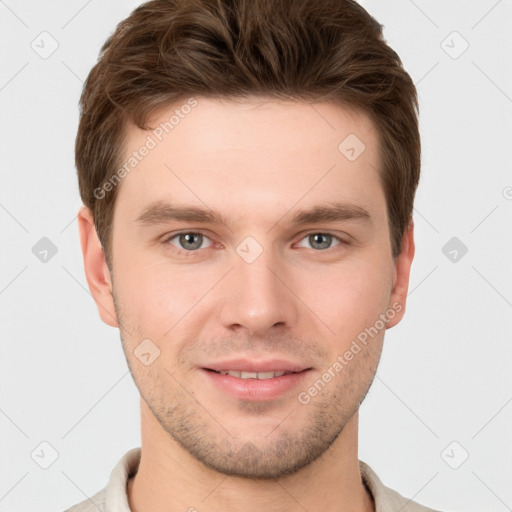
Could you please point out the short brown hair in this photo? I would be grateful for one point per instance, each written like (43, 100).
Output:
(309, 50)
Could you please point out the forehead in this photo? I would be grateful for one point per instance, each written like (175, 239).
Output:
(252, 155)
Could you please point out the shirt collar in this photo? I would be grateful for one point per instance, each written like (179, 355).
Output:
(116, 496)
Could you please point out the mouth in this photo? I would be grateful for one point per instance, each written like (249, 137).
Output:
(262, 381)
(252, 375)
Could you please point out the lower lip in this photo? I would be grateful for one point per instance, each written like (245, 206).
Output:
(256, 389)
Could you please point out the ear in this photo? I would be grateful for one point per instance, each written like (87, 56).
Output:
(401, 278)
(96, 269)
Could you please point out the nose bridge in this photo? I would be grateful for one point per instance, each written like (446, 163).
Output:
(257, 299)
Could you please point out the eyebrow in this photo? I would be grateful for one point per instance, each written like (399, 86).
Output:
(331, 213)
(160, 212)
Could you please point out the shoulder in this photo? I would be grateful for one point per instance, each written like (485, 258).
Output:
(387, 499)
(93, 504)
(113, 498)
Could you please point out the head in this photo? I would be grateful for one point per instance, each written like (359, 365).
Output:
(293, 127)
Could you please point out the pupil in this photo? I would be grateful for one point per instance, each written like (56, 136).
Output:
(188, 239)
(321, 239)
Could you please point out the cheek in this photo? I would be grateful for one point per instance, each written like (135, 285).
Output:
(146, 301)
(159, 301)
(349, 298)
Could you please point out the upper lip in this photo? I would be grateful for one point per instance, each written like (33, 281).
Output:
(248, 365)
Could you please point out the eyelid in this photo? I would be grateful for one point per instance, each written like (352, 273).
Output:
(300, 237)
(337, 237)
(169, 237)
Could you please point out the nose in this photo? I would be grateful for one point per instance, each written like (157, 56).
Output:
(258, 297)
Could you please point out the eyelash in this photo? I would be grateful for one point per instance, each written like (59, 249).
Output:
(197, 252)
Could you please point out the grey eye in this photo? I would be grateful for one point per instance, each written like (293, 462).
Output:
(321, 241)
(188, 241)
(191, 241)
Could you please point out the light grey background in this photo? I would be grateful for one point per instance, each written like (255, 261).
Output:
(446, 370)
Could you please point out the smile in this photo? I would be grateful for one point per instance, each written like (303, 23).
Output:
(263, 385)
(253, 375)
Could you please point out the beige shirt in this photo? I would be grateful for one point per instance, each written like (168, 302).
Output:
(114, 498)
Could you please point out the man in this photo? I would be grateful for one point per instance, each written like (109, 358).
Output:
(248, 170)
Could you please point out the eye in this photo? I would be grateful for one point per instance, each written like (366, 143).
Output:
(321, 241)
(189, 241)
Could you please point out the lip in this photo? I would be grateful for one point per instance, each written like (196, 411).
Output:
(256, 389)
(248, 365)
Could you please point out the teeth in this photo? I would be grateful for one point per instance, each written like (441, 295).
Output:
(265, 375)
(252, 375)
(230, 372)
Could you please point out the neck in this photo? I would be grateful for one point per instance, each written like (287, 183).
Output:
(169, 479)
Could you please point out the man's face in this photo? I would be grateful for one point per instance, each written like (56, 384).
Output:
(262, 293)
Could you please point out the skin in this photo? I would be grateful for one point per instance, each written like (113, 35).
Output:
(257, 163)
